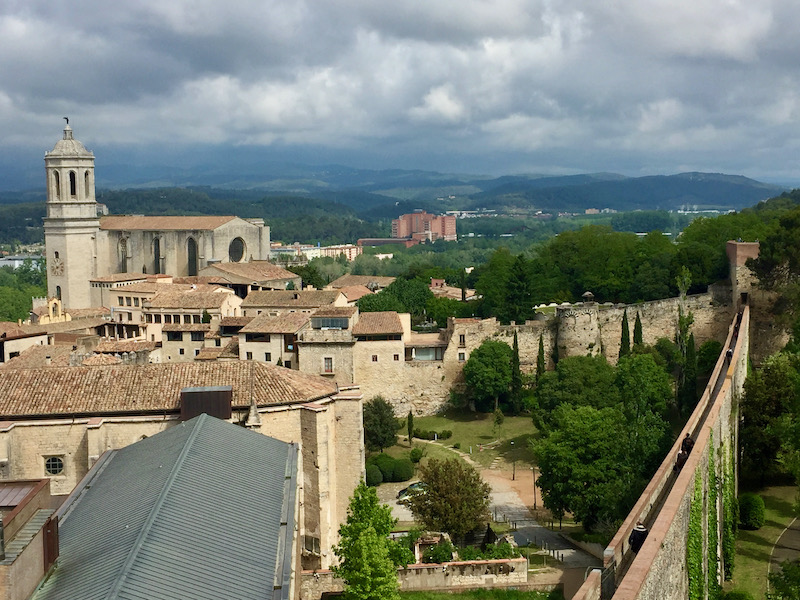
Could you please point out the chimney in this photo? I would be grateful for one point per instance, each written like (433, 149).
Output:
(47, 360)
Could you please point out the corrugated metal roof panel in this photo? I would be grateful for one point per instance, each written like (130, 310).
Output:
(168, 516)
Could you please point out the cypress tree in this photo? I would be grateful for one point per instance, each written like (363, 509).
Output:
(410, 423)
(625, 342)
(637, 331)
(689, 389)
(516, 378)
(541, 364)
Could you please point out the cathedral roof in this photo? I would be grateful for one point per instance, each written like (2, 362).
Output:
(137, 389)
(69, 146)
(140, 222)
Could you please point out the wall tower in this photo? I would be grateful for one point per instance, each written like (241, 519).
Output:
(71, 224)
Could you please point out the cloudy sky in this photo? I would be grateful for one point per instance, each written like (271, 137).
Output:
(502, 86)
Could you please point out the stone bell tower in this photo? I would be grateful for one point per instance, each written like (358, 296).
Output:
(71, 224)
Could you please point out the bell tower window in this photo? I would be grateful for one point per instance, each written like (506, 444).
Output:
(157, 255)
(72, 184)
(57, 179)
(86, 185)
(58, 292)
(123, 256)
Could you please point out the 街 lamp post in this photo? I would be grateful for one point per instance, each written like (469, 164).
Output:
(533, 470)
(514, 463)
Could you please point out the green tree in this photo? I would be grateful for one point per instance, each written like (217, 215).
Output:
(785, 583)
(379, 302)
(380, 424)
(688, 391)
(410, 427)
(541, 363)
(487, 373)
(770, 394)
(638, 339)
(519, 301)
(456, 499)
(492, 283)
(368, 560)
(515, 395)
(310, 275)
(625, 340)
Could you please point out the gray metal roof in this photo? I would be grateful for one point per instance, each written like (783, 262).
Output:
(205, 509)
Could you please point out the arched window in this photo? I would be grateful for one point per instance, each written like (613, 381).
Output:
(123, 255)
(57, 179)
(236, 250)
(73, 185)
(55, 254)
(191, 252)
(157, 256)
(86, 193)
(58, 292)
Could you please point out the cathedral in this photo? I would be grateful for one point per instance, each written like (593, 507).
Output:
(83, 244)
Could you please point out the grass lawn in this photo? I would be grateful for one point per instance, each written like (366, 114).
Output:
(476, 431)
(484, 594)
(753, 548)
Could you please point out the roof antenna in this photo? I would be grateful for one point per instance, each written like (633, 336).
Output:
(67, 120)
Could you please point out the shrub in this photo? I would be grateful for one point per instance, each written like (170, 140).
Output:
(440, 553)
(386, 464)
(751, 511)
(446, 434)
(403, 470)
(457, 445)
(374, 475)
(415, 455)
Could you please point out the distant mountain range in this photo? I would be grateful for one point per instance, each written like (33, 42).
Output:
(380, 193)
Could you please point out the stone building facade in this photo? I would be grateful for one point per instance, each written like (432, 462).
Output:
(81, 245)
(58, 421)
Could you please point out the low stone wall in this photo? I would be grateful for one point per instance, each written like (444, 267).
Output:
(460, 575)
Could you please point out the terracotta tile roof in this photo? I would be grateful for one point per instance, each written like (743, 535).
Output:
(354, 292)
(117, 277)
(201, 297)
(35, 357)
(186, 327)
(74, 325)
(9, 329)
(335, 311)
(197, 279)
(133, 389)
(209, 353)
(145, 287)
(291, 298)
(287, 323)
(248, 272)
(235, 321)
(139, 222)
(378, 323)
(114, 346)
(365, 280)
(425, 340)
(98, 360)
(231, 350)
(89, 313)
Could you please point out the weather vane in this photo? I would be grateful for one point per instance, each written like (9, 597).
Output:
(67, 120)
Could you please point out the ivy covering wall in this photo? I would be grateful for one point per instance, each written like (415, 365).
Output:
(730, 518)
(714, 588)
(694, 543)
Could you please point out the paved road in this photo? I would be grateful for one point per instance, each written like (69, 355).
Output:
(787, 547)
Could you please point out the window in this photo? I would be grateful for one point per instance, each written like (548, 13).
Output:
(196, 351)
(136, 302)
(174, 336)
(236, 250)
(127, 301)
(54, 465)
(218, 342)
(157, 318)
(148, 318)
(327, 364)
(58, 292)
(374, 358)
(180, 351)
(195, 318)
(191, 257)
(72, 184)
(329, 323)
(187, 318)
(86, 184)
(249, 356)
(156, 256)
(288, 364)
(397, 357)
(462, 357)
(256, 337)
(121, 301)
(58, 184)
(462, 340)
(197, 336)
(167, 318)
(268, 356)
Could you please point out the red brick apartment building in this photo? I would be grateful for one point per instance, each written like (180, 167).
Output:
(423, 226)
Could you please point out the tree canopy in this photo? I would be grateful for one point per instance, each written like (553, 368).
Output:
(487, 373)
(456, 499)
(380, 424)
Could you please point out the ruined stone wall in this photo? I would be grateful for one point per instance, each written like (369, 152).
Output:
(579, 329)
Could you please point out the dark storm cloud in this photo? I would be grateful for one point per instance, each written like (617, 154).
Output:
(539, 85)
